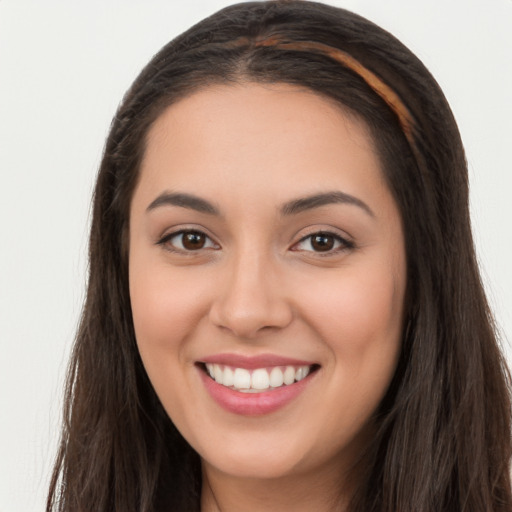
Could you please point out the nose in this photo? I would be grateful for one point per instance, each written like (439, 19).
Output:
(251, 298)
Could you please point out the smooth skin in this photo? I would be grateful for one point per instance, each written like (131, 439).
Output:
(242, 269)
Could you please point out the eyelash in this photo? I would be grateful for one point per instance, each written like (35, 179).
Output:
(342, 243)
(164, 241)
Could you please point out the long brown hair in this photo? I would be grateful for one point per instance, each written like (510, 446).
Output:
(443, 429)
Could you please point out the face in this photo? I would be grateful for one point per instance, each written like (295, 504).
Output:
(267, 278)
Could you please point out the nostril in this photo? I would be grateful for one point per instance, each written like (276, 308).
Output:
(249, 303)
(248, 323)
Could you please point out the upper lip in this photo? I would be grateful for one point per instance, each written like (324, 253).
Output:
(252, 362)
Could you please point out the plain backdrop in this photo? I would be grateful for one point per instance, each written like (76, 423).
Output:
(64, 67)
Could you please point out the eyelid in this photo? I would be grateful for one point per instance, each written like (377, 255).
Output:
(345, 242)
(169, 235)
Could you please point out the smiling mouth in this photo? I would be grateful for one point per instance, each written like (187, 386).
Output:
(257, 380)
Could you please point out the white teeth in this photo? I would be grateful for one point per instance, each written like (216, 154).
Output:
(242, 379)
(276, 377)
(217, 373)
(289, 375)
(256, 380)
(228, 378)
(260, 379)
(300, 374)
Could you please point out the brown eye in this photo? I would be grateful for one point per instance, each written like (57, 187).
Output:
(187, 241)
(322, 242)
(193, 240)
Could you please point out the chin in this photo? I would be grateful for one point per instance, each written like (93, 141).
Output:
(255, 461)
(256, 469)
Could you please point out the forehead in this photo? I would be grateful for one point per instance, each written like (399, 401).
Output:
(257, 130)
(257, 109)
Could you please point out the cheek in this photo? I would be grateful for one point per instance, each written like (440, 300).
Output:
(359, 319)
(165, 305)
(358, 314)
(357, 306)
(167, 310)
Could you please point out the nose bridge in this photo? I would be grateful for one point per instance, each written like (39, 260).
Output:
(251, 298)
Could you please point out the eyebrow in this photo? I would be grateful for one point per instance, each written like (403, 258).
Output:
(293, 207)
(315, 201)
(184, 201)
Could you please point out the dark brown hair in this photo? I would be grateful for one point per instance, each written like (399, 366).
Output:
(443, 429)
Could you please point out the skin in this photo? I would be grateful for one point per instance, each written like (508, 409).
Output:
(258, 285)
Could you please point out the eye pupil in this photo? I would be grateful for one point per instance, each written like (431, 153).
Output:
(193, 240)
(322, 242)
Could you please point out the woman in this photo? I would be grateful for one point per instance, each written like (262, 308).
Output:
(284, 309)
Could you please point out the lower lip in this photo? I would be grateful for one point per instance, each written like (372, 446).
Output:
(254, 404)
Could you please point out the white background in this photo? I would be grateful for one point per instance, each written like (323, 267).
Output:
(63, 69)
